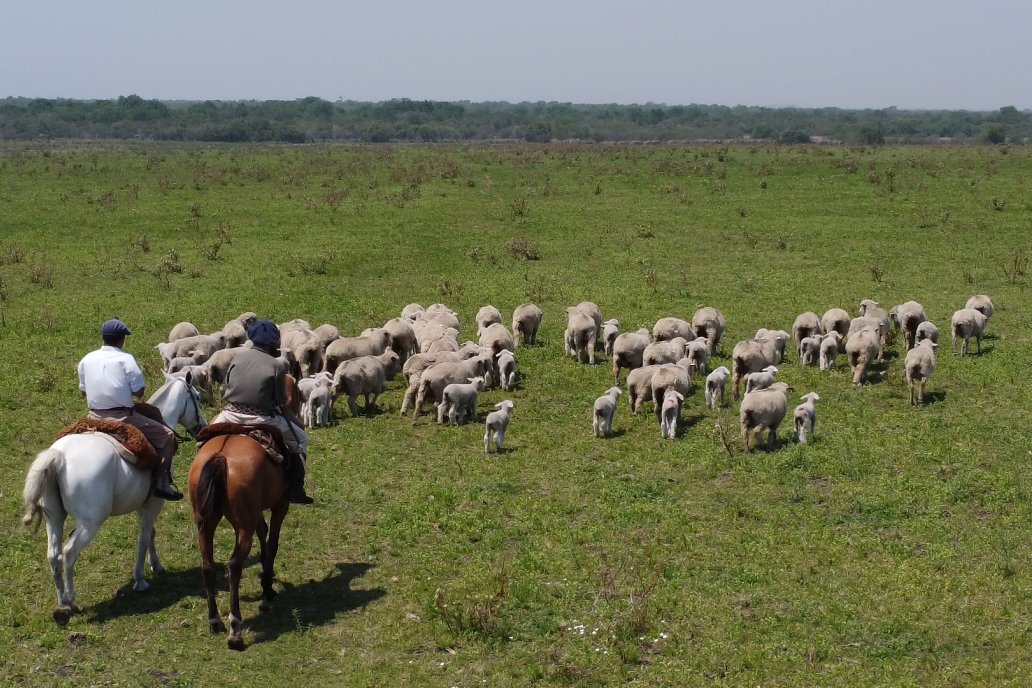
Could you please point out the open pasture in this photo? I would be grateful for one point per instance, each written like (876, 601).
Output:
(892, 550)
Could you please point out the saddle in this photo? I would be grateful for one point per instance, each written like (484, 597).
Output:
(135, 442)
(267, 436)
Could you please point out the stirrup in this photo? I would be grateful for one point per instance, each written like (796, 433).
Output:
(171, 495)
(299, 497)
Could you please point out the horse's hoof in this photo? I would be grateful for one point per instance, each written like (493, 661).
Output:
(235, 643)
(62, 615)
(265, 606)
(217, 628)
(141, 586)
(158, 570)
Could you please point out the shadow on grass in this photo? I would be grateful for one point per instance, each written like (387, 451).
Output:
(166, 590)
(934, 398)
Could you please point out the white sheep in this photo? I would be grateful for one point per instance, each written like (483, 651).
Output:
(669, 351)
(805, 417)
(581, 335)
(872, 311)
(431, 383)
(806, 325)
(306, 384)
(967, 323)
(628, 351)
(347, 348)
(982, 304)
(200, 347)
(401, 337)
(670, 414)
(761, 379)
(907, 316)
(698, 353)
(459, 401)
(716, 381)
(927, 330)
(918, 368)
(836, 320)
(708, 322)
(496, 424)
(666, 329)
(441, 314)
(179, 363)
(495, 338)
(183, 330)
(862, 349)
(639, 386)
(318, 408)
(235, 334)
(810, 349)
(505, 362)
(675, 376)
(604, 411)
(307, 348)
(751, 356)
(610, 331)
(525, 322)
(486, 316)
(327, 334)
(763, 410)
(829, 350)
(364, 376)
(780, 339)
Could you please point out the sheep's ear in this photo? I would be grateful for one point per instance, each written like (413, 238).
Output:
(168, 377)
(773, 369)
(816, 396)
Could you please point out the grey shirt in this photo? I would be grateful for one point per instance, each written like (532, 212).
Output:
(256, 379)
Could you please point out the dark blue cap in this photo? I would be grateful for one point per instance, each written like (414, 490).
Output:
(114, 328)
(264, 333)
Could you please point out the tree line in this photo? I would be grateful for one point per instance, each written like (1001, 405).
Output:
(403, 120)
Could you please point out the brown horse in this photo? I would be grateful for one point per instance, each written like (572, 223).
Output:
(233, 477)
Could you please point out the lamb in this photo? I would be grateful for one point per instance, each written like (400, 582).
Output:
(751, 356)
(835, 320)
(862, 350)
(810, 349)
(459, 401)
(629, 351)
(183, 330)
(180, 363)
(708, 322)
(433, 380)
(927, 330)
(763, 410)
(806, 324)
(761, 379)
(967, 323)
(319, 407)
(495, 338)
(525, 322)
(829, 350)
(982, 304)
(639, 386)
(666, 329)
(581, 334)
(604, 411)
(610, 331)
(805, 417)
(669, 351)
(670, 414)
(363, 375)
(907, 316)
(780, 338)
(505, 362)
(670, 376)
(496, 424)
(918, 368)
(347, 348)
(715, 384)
(306, 384)
(486, 316)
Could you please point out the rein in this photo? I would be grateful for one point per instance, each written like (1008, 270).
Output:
(197, 411)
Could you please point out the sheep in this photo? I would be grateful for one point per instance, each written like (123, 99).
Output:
(666, 329)
(496, 424)
(716, 381)
(459, 401)
(234, 334)
(290, 363)
(217, 366)
(610, 331)
(401, 337)
(525, 322)
(305, 385)
(592, 310)
(675, 376)
(629, 351)
(835, 320)
(810, 349)
(441, 314)
(862, 350)
(669, 351)
(829, 350)
(670, 414)
(486, 316)
(307, 348)
(433, 380)
(419, 362)
(183, 330)
(751, 356)
(179, 363)
(927, 330)
(761, 379)
(805, 325)
(347, 348)
(918, 368)
(780, 338)
(496, 338)
(967, 323)
(327, 334)
(581, 334)
(805, 417)
(505, 363)
(295, 324)
(639, 386)
(872, 311)
(319, 407)
(200, 347)
(363, 375)
(698, 352)
(982, 304)
(448, 341)
(247, 318)
(603, 412)
(413, 311)
(907, 316)
(708, 322)
(426, 332)
(763, 410)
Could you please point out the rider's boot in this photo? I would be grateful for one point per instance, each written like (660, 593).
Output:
(165, 489)
(296, 478)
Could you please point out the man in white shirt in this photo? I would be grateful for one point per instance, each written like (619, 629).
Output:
(110, 378)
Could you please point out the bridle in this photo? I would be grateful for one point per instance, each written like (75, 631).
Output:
(191, 400)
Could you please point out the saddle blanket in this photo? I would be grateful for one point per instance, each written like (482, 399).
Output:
(269, 437)
(132, 445)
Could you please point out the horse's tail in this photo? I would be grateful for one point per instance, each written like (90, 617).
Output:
(41, 479)
(211, 488)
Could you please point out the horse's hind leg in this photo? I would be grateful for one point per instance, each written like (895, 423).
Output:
(269, 556)
(84, 533)
(55, 536)
(206, 540)
(145, 544)
(236, 566)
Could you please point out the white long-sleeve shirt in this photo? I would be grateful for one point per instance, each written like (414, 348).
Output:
(110, 376)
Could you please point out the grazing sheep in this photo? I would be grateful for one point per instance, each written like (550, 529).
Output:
(179, 363)
(505, 362)
(327, 334)
(234, 334)
(347, 348)
(525, 322)
(581, 334)
(829, 350)
(459, 401)
(496, 424)
(610, 331)
(629, 350)
(307, 348)
(431, 383)
(927, 330)
(413, 311)
(872, 311)
(763, 410)
(805, 417)
(639, 386)
(780, 338)
(365, 376)
(835, 320)
(318, 408)
(982, 304)
(761, 379)
(218, 364)
(183, 330)
(670, 376)
(669, 351)
(698, 353)
(666, 329)
(715, 384)
(862, 350)
(810, 349)
(751, 356)
(708, 322)
(200, 347)
(604, 411)
(907, 316)
(918, 368)
(295, 324)
(967, 323)
(806, 325)
(496, 339)
(487, 315)
(670, 414)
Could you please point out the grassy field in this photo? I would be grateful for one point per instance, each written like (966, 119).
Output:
(891, 551)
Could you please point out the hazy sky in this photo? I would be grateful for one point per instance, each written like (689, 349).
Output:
(809, 53)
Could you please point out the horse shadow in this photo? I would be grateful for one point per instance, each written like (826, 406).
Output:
(934, 398)
(166, 590)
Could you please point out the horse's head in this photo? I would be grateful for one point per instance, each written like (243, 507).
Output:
(180, 402)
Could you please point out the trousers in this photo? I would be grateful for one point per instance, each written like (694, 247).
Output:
(293, 436)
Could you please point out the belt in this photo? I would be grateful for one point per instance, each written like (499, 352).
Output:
(247, 410)
(113, 408)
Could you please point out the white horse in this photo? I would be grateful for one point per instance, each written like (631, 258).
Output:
(84, 475)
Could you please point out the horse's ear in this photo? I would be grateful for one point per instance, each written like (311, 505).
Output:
(168, 377)
(189, 376)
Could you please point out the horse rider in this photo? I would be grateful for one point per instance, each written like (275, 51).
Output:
(255, 392)
(110, 379)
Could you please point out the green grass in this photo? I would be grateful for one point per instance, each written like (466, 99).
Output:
(891, 551)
